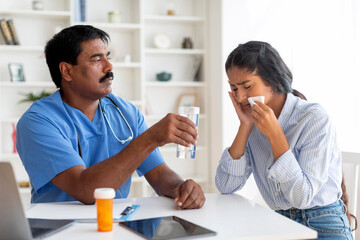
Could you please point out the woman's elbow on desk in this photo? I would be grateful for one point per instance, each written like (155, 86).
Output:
(227, 185)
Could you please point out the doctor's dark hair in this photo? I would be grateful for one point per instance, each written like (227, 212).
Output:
(65, 47)
(262, 58)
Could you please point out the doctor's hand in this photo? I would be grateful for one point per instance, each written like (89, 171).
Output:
(174, 128)
(189, 195)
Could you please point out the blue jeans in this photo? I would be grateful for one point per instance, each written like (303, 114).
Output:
(329, 221)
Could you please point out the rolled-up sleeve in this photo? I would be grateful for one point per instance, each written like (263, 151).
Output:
(301, 178)
(231, 174)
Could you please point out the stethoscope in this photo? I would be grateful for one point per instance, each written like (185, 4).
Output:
(107, 120)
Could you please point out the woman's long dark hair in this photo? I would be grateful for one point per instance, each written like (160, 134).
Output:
(265, 61)
(344, 197)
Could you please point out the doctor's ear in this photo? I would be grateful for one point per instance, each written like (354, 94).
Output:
(66, 71)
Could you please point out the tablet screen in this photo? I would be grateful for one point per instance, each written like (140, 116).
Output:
(170, 227)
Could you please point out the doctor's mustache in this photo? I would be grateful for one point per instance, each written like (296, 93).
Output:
(107, 75)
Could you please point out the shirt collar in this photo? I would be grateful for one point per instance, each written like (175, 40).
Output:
(287, 109)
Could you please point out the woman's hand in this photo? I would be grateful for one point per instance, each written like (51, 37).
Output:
(237, 148)
(243, 115)
(267, 123)
(265, 120)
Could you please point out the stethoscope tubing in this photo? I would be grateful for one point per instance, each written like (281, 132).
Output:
(106, 118)
(122, 115)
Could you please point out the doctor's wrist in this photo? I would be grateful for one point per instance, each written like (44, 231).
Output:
(148, 142)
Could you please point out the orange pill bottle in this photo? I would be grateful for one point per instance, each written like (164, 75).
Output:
(104, 207)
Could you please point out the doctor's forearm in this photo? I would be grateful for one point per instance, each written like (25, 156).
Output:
(163, 180)
(80, 182)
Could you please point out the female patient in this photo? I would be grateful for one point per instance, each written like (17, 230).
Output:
(289, 144)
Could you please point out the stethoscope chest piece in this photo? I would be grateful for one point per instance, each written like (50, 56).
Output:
(108, 122)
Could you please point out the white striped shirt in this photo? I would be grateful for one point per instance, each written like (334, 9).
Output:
(307, 175)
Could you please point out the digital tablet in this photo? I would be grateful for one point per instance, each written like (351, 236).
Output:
(169, 227)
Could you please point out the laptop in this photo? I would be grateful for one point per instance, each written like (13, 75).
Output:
(13, 223)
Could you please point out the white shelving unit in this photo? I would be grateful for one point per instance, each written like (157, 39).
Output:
(33, 28)
(134, 80)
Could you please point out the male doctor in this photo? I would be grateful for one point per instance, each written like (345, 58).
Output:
(83, 137)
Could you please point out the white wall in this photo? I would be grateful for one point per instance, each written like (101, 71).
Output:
(320, 42)
(216, 87)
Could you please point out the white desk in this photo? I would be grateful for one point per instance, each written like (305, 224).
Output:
(231, 216)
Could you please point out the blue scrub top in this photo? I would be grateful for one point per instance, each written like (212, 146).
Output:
(47, 142)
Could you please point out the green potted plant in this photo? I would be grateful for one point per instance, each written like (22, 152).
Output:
(32, 97)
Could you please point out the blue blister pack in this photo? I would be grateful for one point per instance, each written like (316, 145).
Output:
(128, 212)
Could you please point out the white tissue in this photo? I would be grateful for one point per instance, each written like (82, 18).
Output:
(257, 98)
